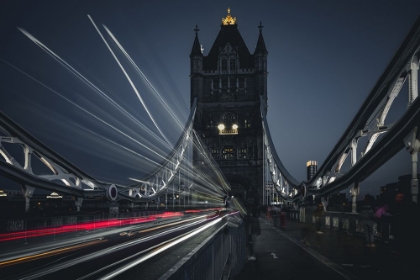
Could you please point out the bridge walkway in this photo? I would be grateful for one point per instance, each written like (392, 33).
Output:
(279, 254)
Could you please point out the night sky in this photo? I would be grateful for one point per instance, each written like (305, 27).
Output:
(324, 57)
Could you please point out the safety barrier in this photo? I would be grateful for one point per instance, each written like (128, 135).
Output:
(221, 256)
(350, 223)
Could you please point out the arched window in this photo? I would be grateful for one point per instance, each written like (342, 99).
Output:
(232, 64)
(224, 64)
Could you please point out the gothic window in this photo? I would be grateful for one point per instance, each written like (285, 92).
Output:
(228, 153)
(232, 83)
(224, 83)
(241, 82)
(215, 153)
(215, 83)
(228, 118)
(247, 121)
(209, 124)
(224, 64)
(242, 153)
(232, 64)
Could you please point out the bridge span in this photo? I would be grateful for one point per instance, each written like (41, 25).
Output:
(184, 221)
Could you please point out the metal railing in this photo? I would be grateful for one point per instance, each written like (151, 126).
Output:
(221, 256)
(351, 223)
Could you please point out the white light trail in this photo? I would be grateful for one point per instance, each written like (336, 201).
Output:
(89, 83)
(86, 111)
(129, 80)
(161, 249)
(143, 76)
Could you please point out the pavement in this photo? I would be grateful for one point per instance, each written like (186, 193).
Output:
(277, 252)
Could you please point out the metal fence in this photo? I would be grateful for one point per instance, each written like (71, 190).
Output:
(350, 223)
(45, 229)
(220, 256)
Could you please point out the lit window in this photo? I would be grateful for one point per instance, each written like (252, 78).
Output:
(228, 153)
(242, 153)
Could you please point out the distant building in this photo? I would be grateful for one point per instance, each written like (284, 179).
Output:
(311, 169)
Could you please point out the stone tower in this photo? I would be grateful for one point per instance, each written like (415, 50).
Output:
(228, 83)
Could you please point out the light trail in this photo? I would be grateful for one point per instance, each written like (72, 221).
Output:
(161, 249)
(143, 76)
(130, 81)
(87, 112)
(49, 253)
(103, 252)
(89, 83)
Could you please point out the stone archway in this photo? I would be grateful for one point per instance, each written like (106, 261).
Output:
(241, 189)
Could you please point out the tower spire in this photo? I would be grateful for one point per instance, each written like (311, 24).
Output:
(196, 49)
(260, 48)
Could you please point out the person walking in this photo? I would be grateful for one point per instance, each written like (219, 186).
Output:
(368, 220)
(318, 213)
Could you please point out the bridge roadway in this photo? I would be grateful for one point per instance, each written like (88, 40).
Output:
(94, 254)
(279, 254)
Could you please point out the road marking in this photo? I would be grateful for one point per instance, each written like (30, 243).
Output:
(274, 255)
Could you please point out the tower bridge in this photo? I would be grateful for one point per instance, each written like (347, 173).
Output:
(225, 157)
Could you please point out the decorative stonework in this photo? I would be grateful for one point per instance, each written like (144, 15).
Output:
(229, 20)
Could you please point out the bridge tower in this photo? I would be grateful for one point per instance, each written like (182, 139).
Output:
(228, 83)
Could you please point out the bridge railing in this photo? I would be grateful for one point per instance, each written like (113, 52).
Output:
(351, 223)
(221, 256)
(47, 229)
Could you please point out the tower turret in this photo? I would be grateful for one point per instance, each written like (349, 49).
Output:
(260, 60)
(196, 68)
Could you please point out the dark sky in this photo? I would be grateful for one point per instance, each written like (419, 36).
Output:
(324, 57)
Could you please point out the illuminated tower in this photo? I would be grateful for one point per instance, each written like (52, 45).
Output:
(311, 169)
(228, 83)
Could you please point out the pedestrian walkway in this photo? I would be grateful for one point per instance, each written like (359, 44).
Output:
(278, 252)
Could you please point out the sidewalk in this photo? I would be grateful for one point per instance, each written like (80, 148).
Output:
(332, 255)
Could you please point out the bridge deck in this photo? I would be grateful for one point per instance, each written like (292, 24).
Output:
(332, 255)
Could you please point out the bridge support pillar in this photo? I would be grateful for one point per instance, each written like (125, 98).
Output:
(27, 192)
(354, 194)
(78, 203)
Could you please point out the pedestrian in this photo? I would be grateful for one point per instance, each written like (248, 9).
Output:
(269, 214)
(368, 220)
(406, 232)
(305, 225)
(379, 213)
(282, 217)
(318, 213)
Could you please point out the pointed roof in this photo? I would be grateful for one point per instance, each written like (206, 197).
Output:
(260, 48)
(196, 49)
(229, 33)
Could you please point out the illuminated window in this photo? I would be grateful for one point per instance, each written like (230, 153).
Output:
(224, 64)
(228, 153)
(232, 64)
(242, 153)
